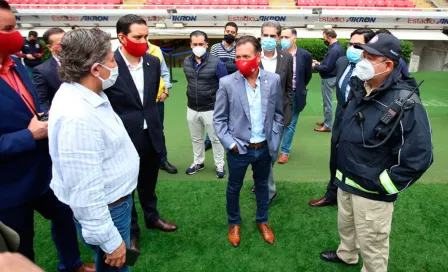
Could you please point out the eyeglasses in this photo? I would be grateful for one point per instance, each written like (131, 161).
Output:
(349, 44)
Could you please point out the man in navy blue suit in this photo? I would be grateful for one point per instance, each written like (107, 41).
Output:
(25, 163)
(46, 78)
(302, 73)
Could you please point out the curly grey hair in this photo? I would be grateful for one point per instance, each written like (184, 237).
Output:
(274, 24)
(80, 50)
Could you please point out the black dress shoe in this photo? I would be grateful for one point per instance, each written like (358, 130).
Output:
(272, 199)
(322, 202)
(252, 190)
(171, 169)
(208, 145)
(331, 256)
(134, 243)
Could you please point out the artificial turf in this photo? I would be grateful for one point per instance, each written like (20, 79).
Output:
(419, 240)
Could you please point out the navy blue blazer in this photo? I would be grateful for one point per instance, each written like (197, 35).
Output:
(126, 102)
(304, 72)
(25, 164)
(47, 82)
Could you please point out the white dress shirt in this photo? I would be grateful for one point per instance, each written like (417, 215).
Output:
(347, 91)
(94, 161)
(269, 64)
(138, 77)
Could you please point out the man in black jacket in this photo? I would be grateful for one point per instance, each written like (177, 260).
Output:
(133, 97)
(32, 52)
(203, 72)
(327, 71)
(46, 77)
(383, 147)
(302, 73)
(345, 69)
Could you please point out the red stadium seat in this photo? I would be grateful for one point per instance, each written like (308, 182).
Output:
(380, 3)
(333, 3)
(253, 2)
(400, 4)
(370, 3)
(244, 3)
(352, 3)
(389, 3)
(302, 3)
(409, 4)
(195, 2)
(234, 2)
(263, 2)
(206, 2)
(313, 3)
(341, 3)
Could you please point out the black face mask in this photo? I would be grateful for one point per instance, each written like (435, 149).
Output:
(327, 43)
(229, 38)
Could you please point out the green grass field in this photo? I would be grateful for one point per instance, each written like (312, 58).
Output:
(419, 238)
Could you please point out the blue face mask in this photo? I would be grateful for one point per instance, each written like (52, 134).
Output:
(285, 43)
(353, 54)
(268, 43)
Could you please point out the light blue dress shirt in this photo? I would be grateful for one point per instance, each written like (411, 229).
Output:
(165, 73)
(257, 134)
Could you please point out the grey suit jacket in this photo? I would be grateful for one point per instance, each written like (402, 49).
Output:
(232, 114)
(285, 70)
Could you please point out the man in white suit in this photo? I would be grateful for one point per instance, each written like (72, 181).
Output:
(248, 120)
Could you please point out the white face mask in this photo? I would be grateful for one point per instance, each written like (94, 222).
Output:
(107, 83)
(199, 51)
(366, 71)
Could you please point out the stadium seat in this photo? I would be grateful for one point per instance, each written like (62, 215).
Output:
(313, 3)
(244, 3)
(409, 4)
(380, 3)
(400, 4)
(206, 2)
(303, 3)
(389, 3)
(351, 3)
(341, 3)
(361, 3)
(263, 2)
(370, 3)
(234, 2)
(333, 3)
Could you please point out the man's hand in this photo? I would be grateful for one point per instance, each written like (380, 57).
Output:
(38, 129)
(315, 62)
(235, 149)
(118, 257)
(17, 263)
(164, 95)
(30, 57)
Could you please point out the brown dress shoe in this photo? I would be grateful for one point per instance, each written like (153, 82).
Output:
(322, 202)
(162, 225)
(321, 124)
(87, 267)
(267, 233)
(134, 243)
(322, 129)
(234, 235)
(283, 158)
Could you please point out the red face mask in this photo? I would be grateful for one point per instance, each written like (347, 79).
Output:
(56, 48)
(10, 42)
(247, 67)
(135, 49)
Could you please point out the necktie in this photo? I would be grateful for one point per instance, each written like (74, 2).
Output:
(346, 80)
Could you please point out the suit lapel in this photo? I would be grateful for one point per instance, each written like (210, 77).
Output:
(124, 73)
(241, 89)
(264, 93)
(28, 85)
(146, 73)
(279, 62)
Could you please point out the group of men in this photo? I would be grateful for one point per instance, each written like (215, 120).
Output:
(92, 133)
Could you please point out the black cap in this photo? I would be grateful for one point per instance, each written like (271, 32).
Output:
(383, 45)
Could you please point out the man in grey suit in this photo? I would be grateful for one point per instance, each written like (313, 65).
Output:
(280, 62)
(248, 119)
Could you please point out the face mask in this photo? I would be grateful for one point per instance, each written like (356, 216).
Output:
(229, 38)
(353, 54)
(285, 43)
(10, 42)
(107, 83)
(268, 43)
(199, 51)
(366, 71)
(247, 67)
(327, 43)
(135, 49)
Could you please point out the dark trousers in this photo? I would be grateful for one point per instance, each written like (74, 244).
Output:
(261, 161)
(164, 152)
(332, 189)
(146, 187)
(63, 231)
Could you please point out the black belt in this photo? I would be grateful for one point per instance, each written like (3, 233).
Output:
(258, 145)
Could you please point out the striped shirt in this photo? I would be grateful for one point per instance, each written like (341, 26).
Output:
(220, 51)
(94, 160)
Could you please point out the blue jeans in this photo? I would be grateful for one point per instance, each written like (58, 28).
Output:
(121, 216)
(261, 160)
(290, 130)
